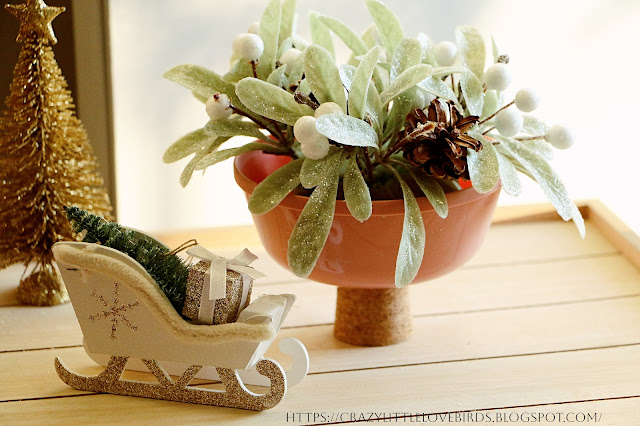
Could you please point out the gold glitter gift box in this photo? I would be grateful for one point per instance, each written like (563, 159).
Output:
(224, 310)
(218, 289)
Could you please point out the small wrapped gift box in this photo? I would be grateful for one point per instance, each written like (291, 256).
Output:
(218, 289)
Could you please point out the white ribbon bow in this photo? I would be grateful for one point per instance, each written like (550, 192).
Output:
(217, 272)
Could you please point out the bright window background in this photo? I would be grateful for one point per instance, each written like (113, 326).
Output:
(579, 55)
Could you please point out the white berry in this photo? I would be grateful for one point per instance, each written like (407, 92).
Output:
(249, 46)
(218, 106)
(254, 28)
(509, 122)
(527, 100)
(316, 149)
(445, 53)
(328, 108)
(314, 144)
(235, 44)
(497, 77)
(305, 129)
(560, 136)
(290, 56)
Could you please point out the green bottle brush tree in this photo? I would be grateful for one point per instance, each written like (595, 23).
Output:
(167, 269)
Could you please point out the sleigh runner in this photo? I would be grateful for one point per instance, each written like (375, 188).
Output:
(124, 315)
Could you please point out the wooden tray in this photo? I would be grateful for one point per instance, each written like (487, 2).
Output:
(538, 321)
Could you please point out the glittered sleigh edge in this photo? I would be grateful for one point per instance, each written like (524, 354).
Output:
(123, 314)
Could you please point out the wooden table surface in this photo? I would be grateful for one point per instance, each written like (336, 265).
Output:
(539, 326)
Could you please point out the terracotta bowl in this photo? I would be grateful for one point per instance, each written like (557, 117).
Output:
(363, 255)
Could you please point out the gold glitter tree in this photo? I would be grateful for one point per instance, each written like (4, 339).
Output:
(46, 161)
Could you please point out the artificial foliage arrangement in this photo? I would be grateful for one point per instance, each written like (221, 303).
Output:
(403, 118)
(46, 161)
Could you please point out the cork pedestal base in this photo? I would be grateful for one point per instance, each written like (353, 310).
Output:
(373, 317)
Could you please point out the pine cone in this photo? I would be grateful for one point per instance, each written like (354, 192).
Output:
(438, 142)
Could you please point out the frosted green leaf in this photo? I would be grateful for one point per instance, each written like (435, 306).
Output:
(577, 218)
(439, 72)
(304, 87)
(380, 78)
(427, 49)
(285, 45)
(408, 79)
(234, 128)
(271, 191)
(346, 34)
(509, 176)
(519, 167)
(438, 88)
(490, 104)
(407, 54)
(199, 97)
(312, 228)
(541, 147)
(387, 23)
(483, 165)
(496, 51)
(200, 80)
(402, 105)
(270, 35)
(347, 130)
(186, 145)
(287, 16)
(323, 76)
(534, 126)
(346, 75)
(356, 192)
(451, 185)
(412, 241)
(432, 190)
(296, 72)
(370, 36)
(354, 60)
(240, 69)
(320, 33)
(270, 101)
(277, 77)
(374, 105)
(313, 171)
(472, 91)
(547, 178)
(191, 166)
(219, 156)
(359, 87)
(188, 170)
(472, 50)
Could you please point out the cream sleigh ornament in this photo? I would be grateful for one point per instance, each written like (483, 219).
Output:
(123, 315)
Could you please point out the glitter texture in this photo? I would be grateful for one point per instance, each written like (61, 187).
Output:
(35, 17)
(46, 161)
(114, 310)
(226, 310)
(236, 395)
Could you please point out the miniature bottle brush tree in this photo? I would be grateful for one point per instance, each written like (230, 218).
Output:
(46, 160)
(403, 118)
